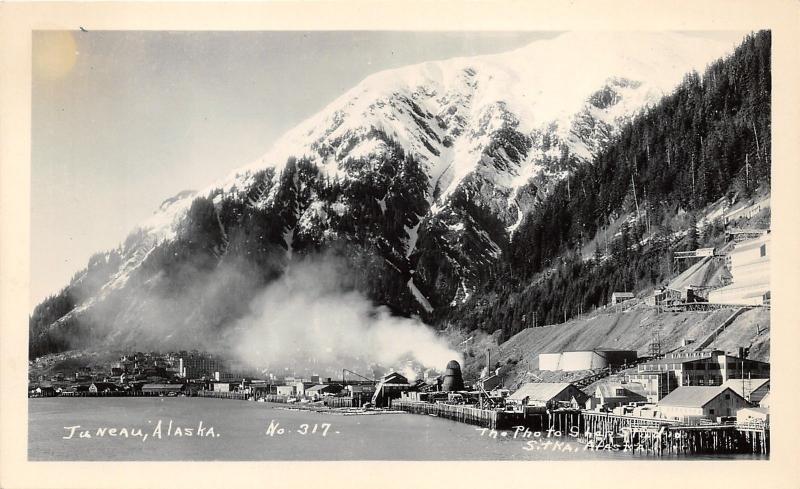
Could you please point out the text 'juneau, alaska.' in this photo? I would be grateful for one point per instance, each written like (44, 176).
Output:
(572, 237)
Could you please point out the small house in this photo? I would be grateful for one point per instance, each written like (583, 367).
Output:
(619, 297)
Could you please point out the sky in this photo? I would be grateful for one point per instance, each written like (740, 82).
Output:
(122, 121)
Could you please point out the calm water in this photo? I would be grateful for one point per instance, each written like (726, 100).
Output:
(240, 433)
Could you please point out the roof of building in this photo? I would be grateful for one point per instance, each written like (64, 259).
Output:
(321, 387)
(539, 391)
(677, 359)
(163, 386)
(394, 378)
(764, 402)
(693, 395)
(760, 410)
(622, 294)
(746, 385)
(631, 390)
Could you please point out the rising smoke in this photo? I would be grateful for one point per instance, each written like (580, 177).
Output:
(309, 319)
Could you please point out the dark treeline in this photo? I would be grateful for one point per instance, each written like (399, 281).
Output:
(708, 140)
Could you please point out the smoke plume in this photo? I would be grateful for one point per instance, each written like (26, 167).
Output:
(309, 320)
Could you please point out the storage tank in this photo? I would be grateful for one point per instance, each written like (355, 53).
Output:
(453, 381)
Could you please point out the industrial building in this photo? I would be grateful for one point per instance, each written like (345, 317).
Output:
(548, 393)
(749, 265)
(453, 380)
(571, 361)
(390, 387)
(703, 368)
(609, 395)
(664, 296)
(692, 403)
(320, 390)
(198, 366)
(656, 384)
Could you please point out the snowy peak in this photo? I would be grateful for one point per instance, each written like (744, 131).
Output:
(445, 112)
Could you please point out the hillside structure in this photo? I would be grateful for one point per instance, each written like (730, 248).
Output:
(570, 361)
(749, 265)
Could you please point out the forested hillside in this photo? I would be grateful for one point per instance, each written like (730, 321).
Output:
(708, 140)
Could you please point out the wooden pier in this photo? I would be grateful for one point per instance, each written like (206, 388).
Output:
(486, 418)
(661, 435)
(603, 430)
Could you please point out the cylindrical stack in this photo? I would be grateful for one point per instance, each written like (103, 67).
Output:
(453, 381)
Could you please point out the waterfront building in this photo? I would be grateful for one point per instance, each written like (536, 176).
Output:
(546, 393)
(389, 387)
(317, 391)
(656, 384)
(491, 382)
(753, 390)
(609, 395)
(162, 389)
(286, 390)
(750, 415)
(102, 387)
(301, 386)
(764, 401)
(598, 358)
(223, 387)
(692, 403)
(702, 368)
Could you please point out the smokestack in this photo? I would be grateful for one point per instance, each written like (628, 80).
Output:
(453, 381)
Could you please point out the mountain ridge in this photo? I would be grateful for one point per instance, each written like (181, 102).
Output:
(432, 170)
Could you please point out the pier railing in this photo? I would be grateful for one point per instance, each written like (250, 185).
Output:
(487, 418)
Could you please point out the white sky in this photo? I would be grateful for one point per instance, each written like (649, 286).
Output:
(136, 117)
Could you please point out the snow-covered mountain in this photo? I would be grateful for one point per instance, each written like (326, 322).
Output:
(500, 120)
(454, 152)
